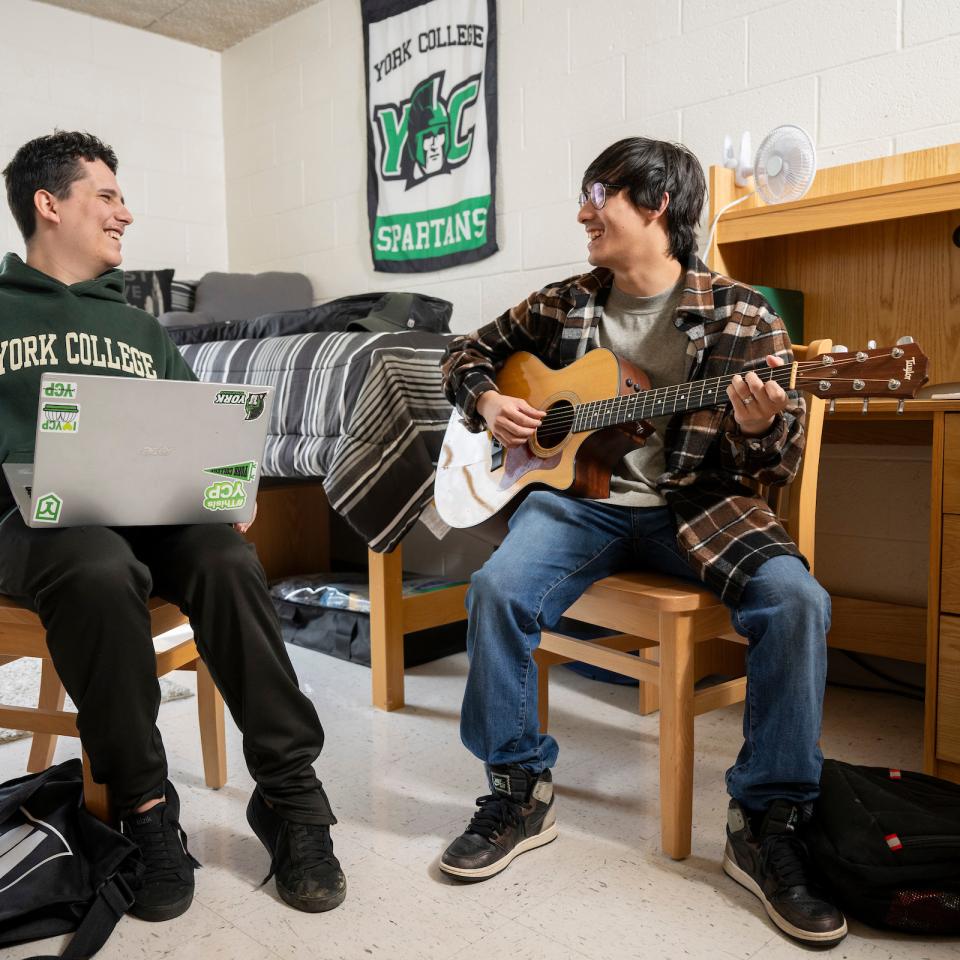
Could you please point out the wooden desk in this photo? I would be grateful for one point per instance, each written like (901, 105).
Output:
(866, 625)
(872, 247)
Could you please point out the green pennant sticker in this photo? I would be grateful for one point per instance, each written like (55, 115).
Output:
(235, 471)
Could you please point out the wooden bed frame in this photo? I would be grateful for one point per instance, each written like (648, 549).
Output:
(292, 535)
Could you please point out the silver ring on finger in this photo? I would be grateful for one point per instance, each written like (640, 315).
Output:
(747, 400)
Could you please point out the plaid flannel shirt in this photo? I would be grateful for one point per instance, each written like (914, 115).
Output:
(724, 529)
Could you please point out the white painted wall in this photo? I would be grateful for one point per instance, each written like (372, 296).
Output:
(156, 101)
(865, 77)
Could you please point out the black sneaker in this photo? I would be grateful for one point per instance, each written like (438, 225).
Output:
(308, 874)
(771, 861)
(166, 886)
(518, 816)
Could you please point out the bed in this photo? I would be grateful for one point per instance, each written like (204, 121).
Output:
(362, 411)
(362, 416)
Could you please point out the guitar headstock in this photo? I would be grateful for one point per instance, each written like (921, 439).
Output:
(898, 371)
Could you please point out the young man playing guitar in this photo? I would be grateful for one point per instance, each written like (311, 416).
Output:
(676, 504)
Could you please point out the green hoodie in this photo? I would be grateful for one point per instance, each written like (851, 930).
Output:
(87, 327)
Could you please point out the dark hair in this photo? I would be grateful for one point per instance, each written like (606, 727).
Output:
(649, 169)
(50, 163)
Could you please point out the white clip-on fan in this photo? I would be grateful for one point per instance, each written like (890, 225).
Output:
(783, 168)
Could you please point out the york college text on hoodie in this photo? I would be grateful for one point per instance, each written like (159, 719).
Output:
(49, 327)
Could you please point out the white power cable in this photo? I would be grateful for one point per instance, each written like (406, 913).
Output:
(720, 213)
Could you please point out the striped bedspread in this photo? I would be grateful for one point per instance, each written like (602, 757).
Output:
(362, 411)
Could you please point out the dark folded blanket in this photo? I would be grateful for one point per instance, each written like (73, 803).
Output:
(419, 312)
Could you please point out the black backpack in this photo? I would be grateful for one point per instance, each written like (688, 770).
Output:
(61, 868)
(886, 844)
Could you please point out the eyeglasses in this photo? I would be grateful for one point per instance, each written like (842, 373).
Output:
(598, 193)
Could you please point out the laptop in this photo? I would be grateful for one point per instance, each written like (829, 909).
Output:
(118, 451)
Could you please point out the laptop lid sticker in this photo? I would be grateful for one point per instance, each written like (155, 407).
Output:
(60, 417)
(225, 495)
(245, 471)
(60, 390)
(47, 509)
(253, 403)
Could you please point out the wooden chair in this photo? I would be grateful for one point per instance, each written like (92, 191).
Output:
(676, 616)
(23, 635)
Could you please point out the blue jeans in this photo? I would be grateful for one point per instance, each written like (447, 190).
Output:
(557, 546)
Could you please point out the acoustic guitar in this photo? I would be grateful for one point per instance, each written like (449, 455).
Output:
(597, 410)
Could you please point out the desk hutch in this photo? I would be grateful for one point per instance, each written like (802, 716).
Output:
(875, 248)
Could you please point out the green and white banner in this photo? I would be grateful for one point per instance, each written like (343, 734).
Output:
(432, 132)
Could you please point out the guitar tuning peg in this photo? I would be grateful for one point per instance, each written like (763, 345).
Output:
(866, 405)
(840, 348)
(900, 404)
(871, 344)
(904, 340)
(833, 405)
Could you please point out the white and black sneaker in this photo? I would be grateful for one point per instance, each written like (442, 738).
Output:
(771, 861)
(518, 816)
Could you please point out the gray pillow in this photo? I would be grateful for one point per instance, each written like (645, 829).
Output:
(243, 296)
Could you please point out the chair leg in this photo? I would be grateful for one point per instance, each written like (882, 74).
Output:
(212, 731)
(96, 797)
(649, 692)
(649, 698)
(52, 696)
(676, 735)
(386, 628)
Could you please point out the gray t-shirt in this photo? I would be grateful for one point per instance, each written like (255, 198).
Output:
(642, 330)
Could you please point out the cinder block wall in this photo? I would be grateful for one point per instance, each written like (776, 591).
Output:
(865, 77)
(156, 101)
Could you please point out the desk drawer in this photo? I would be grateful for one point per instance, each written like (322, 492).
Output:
(948, 691)
(951, 464)
(950, 565)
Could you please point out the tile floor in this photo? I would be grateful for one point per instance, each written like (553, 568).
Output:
(403, 786)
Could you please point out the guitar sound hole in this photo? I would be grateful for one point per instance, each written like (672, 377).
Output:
(556, 424)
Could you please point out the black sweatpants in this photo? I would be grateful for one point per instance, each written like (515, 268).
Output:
(90, 587)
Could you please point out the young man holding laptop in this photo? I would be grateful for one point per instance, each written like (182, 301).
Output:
(63, 311)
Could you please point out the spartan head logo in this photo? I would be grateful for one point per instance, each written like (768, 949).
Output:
(424, 136)
(428, 131)
(253, 406)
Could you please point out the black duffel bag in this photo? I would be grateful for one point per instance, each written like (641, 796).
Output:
(61, 869)
(886, 844)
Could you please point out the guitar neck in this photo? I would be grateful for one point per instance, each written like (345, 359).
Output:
(666, 400)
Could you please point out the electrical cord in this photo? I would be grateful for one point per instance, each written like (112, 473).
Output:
(906, 694)
(720, 213)
(877, 672)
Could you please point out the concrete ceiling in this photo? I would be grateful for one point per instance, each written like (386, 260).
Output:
(215, 24)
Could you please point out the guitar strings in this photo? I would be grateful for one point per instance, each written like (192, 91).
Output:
(569, 412)
(777, 373)
(557, 422)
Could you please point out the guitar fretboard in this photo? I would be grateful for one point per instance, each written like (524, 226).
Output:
(663, 401)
